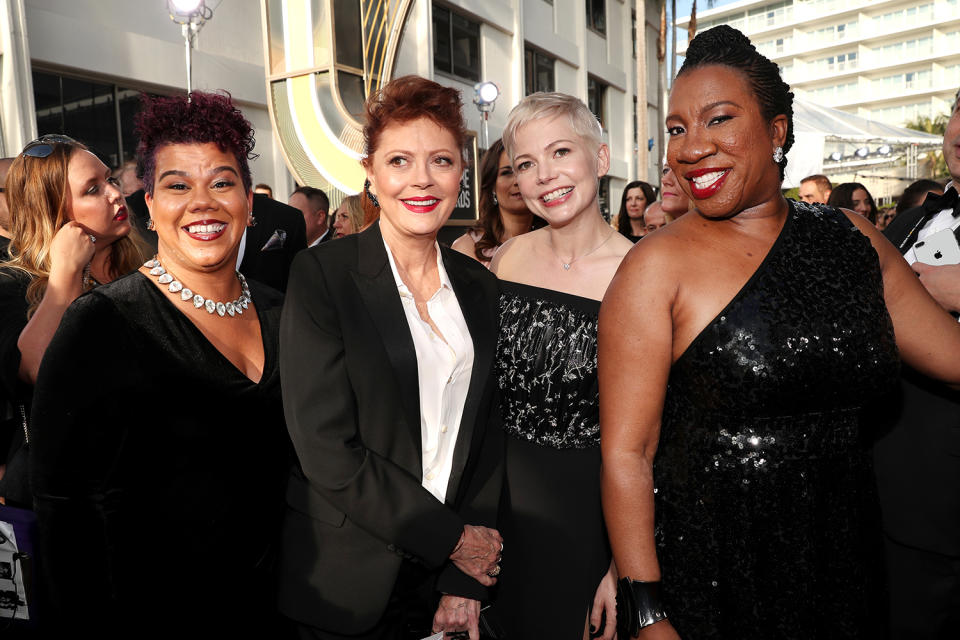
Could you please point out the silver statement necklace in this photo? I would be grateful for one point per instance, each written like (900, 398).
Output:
(222, 309)
(567, 265)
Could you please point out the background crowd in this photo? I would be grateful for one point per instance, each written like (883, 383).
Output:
(235, 416)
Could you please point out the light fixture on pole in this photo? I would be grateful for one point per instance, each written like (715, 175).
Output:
(190, 15)
(485, 97)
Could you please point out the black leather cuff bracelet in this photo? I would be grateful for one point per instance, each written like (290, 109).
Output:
(638, 606)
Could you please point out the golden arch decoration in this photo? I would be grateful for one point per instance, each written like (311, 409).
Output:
(322, 59)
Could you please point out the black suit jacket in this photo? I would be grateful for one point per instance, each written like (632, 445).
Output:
(356, 507)
(918, 461)
(278, 236)
(272, 243)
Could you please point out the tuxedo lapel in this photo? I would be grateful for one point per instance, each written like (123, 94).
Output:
(478, 312)
(378, 290)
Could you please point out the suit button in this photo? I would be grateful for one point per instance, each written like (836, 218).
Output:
(443, 428)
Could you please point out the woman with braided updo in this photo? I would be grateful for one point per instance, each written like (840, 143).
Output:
(737, 480)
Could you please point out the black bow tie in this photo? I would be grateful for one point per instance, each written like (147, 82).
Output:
(934, 204)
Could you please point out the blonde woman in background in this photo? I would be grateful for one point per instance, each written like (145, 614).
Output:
(348, 218)
(71, 232)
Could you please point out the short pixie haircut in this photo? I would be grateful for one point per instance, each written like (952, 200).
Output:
(410, 98)
(197, 119)
(548, 105)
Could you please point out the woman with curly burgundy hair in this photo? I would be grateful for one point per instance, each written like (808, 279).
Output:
(158, 488)
(398, 485)
(503, 213)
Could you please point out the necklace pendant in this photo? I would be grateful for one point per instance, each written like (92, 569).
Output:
(566, 266)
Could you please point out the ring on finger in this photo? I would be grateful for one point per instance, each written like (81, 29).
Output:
(495, 572)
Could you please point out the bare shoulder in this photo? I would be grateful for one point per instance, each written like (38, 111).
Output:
(465, 245)
(512, 256)
(620, 244)
(663, 248)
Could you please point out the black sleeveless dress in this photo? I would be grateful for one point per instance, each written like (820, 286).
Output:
(767, 522)
(555, 543)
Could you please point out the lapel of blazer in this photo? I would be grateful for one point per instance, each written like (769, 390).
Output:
(478, 312)
(378, 290)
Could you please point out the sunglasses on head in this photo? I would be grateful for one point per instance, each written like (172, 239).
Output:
(43, 146)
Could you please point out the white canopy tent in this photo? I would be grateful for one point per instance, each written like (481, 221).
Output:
(832, 142)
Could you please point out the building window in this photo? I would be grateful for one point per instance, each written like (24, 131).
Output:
(603, 197)
(597, 98)
(98, 114)
(538, 71)
(456, 44)
(597, 16)
(633, 32)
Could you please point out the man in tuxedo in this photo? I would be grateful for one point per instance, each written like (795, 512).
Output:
(315, 207)
(267, 248)
(918, 461)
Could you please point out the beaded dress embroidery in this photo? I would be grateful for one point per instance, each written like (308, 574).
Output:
(547, 368)
(767, 522)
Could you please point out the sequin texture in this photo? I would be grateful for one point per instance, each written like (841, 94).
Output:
(767, 523)
(547, 367)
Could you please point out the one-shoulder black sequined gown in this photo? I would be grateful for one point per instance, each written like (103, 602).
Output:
(555, 544)
(767, 522)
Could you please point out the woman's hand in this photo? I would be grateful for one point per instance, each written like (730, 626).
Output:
(478, 554)
(70, 251)
(605, 599)
(457, 614)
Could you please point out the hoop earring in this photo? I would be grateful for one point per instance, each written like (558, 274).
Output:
(370, 196)
(778, 154)
(150, 225)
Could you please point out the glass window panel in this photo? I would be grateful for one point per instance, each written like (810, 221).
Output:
(275, 25)
(544, 73)
(322, 55)
(347, 32)
(89, 116)
(529, 73)
(351, 93)
(466, 47)
(441, 39)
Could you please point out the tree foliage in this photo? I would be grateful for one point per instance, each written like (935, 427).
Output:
(937, 125)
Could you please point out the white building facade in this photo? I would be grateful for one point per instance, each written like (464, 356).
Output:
(78, 66)
(887, 60)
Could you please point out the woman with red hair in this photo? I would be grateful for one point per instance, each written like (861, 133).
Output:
(387, 346)
(158, 482)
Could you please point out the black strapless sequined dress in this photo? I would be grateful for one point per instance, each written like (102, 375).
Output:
(766, 510)
(556, 549)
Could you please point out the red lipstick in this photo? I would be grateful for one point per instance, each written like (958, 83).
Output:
(421, 204)
(707, 190)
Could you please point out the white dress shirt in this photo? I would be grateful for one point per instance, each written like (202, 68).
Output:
(939, 222)
(444, 366)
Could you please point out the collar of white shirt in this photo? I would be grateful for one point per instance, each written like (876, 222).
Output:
(404, 291)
